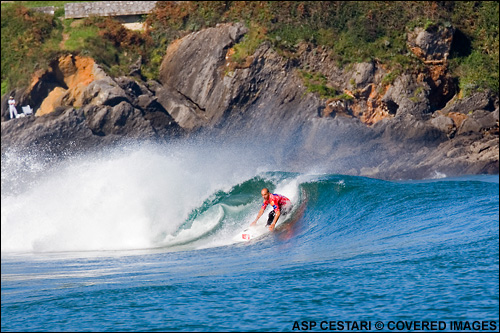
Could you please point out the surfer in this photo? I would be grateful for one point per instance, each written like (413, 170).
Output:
(280, 203)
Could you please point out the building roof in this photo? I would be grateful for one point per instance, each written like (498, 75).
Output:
(108, 8)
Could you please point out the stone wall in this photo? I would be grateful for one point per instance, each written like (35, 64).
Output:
(108, 8)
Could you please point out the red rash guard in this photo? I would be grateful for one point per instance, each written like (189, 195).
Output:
(277, 201)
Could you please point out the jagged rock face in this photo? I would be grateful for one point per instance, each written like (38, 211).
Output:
(266, 97)
(64, 84)
(63, 127)
(432, 46)
(192, 71)
(112, 109)
(104, 91)
(69, 129)
(444, 124)
(70, 75)
(479, 101)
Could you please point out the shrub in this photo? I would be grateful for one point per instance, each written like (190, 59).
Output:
(477, 72)
(24, 33)
(317, 83)
(78, 36)
(249, 44)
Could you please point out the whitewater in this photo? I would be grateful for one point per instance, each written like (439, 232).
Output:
(141, 237)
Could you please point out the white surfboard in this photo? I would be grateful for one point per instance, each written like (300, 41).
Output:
(252, 233)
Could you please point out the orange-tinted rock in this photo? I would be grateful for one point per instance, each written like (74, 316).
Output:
(457, 117)
(74, 74)
(366, 105)
(53, 100)
(375, 110)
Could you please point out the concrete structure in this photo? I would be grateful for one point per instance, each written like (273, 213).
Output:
(108, 8)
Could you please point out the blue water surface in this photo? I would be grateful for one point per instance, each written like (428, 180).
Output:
(355, 249)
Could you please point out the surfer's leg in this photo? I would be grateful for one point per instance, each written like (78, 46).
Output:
(271, 217)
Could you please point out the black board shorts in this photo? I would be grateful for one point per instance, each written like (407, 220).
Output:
(284, 210)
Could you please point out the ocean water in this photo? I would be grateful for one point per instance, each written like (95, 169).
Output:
(144, 238)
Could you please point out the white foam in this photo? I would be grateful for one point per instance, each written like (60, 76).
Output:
(202, 225)
(438, 175)
(133, 197)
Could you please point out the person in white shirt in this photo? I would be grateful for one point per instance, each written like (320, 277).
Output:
(12, 107)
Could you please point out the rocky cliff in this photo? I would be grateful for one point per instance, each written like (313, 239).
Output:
(414, 127)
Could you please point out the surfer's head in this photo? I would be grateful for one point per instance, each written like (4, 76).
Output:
(265, 193)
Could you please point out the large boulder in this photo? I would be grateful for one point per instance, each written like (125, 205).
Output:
(411, 131)
(361, 75)
(184, 111)
(59, 131)
(431, 44)
(104, 91)
(406, 96)
(444, 124)
(477, 101)
(122, 119)
(486, 120)
(193, 71)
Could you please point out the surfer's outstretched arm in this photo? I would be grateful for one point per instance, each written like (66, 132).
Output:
(261, 211)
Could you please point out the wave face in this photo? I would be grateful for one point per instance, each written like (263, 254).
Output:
(353, 215)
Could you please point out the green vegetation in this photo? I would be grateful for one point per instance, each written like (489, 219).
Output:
(79, 35)
(352, 31)
(24, 44)
(30, 40)
(475, 63)
(390, 77)
(33, 4)
(249, 45)
(114, 47)
(316, 83)
(477, 72)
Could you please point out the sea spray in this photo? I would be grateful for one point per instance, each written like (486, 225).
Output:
(125, 198)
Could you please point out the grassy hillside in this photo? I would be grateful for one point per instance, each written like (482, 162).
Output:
(353, 31)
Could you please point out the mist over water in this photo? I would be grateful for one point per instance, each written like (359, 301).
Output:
(129, 197)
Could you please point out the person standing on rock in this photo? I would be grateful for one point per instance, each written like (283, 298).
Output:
(280, 203)
(12, 107)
